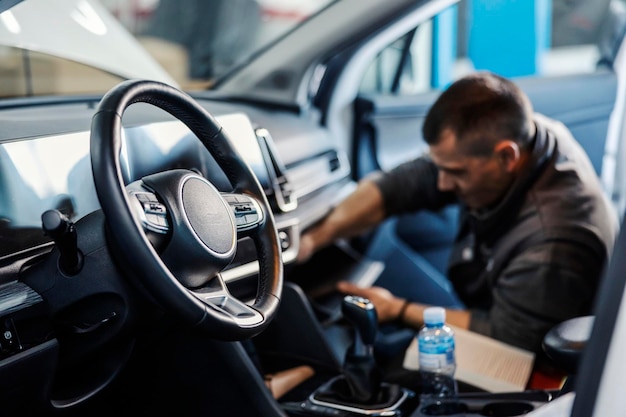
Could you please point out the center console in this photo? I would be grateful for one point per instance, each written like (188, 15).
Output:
(347, 380)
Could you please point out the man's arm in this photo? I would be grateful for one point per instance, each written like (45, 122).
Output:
(543, 286)
(408, 187)
(392, 308)
(359, 212)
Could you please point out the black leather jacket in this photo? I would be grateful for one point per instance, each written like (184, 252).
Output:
(536, 259)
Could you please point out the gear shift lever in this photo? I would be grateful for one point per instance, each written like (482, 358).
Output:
(360, 386)
(361, 313)
(362, 376)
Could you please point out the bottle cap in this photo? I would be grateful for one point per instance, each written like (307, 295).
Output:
(434, 315)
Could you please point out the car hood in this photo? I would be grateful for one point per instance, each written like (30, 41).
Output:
(81, 31)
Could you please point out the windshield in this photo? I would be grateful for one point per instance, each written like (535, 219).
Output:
(67, 47)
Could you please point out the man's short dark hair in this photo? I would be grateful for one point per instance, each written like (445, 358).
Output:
(481, 109)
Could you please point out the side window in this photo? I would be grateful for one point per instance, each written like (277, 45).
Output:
(404, 67)
(515, 39)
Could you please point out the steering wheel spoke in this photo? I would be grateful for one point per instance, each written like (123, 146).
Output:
(217, 296)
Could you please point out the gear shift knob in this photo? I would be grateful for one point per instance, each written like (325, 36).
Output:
(362, 314)
(361, 384)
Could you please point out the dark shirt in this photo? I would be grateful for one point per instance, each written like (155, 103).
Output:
(535, 259)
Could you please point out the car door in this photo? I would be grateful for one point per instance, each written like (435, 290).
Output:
(575, 82)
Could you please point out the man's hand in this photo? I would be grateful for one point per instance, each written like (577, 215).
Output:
(306, 248)
(358, 213)
(387, 305)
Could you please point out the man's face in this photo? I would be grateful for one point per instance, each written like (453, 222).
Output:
(478, 181)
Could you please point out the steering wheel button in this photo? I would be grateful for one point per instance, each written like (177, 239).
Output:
(252, 218)
(161, 221)
(152, 219)
(153, 207)
(242, 209)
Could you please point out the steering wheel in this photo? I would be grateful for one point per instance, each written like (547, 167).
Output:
(182, 272)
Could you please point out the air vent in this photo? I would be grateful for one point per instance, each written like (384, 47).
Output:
(281, 195)
(334, 163)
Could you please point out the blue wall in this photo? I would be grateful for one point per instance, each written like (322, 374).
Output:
(523, 34)
(523, 29)
(444, 46)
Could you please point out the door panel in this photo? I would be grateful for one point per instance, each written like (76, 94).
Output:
(396, 122)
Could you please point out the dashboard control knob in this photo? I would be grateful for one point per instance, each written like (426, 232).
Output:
(63, 232)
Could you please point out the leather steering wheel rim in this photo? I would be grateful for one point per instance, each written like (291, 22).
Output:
(126, 232)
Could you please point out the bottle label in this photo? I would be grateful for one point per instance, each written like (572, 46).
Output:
(436, 355)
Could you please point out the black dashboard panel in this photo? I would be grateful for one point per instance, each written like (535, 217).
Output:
(301, 170)
(45, 164)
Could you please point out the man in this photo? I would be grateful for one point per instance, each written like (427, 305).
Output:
(535, 230)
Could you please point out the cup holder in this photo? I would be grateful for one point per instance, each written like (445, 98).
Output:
(506, 409)
(444, 409)
(492, 409)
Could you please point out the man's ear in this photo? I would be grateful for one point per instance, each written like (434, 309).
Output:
(508, 153)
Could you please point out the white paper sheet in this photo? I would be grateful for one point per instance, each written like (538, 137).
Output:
(484, 362)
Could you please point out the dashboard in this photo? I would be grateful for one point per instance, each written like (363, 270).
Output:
(45, 164)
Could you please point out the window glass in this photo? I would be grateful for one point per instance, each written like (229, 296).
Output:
(381, 73)
(514, 39)
(29, 73)
(198, 41)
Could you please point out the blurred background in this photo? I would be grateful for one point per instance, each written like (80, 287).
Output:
(200, 41)
(535, 36)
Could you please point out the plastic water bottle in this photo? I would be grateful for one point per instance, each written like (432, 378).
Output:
(437, 362)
